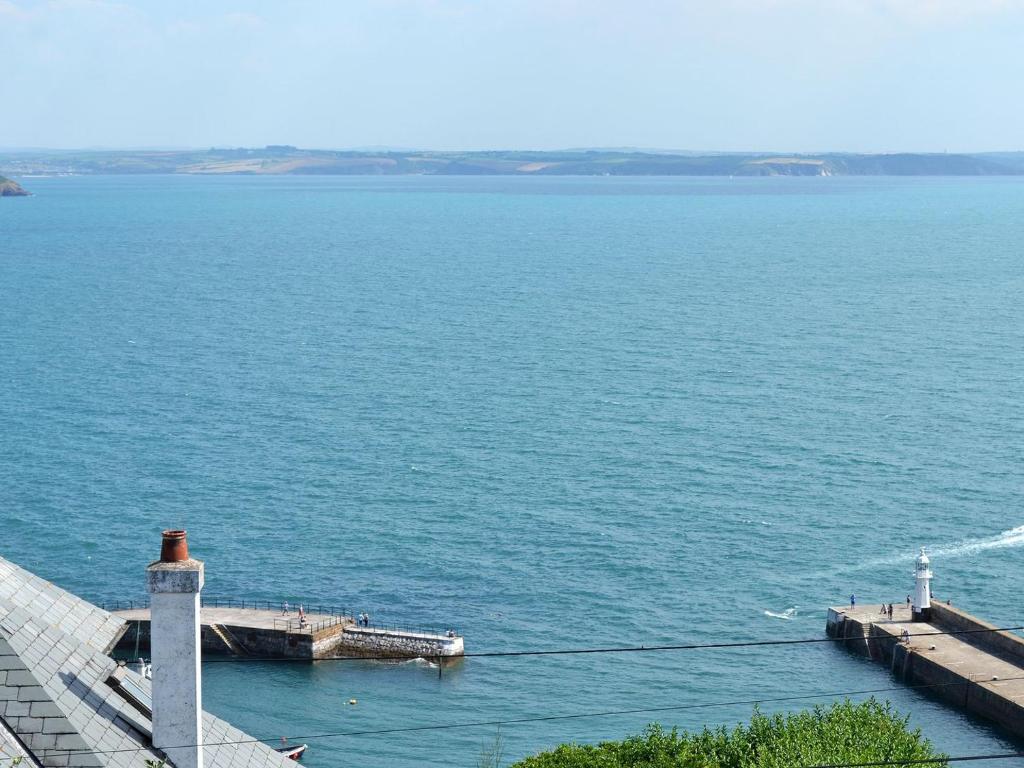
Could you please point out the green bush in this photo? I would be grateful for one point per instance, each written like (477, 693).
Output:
(838, 734)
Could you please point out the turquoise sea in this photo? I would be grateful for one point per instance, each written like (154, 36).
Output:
(553, 412)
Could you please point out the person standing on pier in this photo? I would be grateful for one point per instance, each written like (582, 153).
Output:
(284, 608)
(889, 611)
(853, 600)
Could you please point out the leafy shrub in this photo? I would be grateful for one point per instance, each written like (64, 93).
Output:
(837, 734)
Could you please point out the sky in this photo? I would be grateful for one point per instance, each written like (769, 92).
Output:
(727, 75)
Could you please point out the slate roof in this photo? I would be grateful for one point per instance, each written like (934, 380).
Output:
(57, 705)
(82, 620)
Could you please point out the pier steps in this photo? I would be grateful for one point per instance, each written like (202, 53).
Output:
(225, 636)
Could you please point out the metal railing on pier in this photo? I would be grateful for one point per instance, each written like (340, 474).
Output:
(304, 626)
(267, 605)
(123, 605)
(231, 602)
(289, 621)
(289, 624)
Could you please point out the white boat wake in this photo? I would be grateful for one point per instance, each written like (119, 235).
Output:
(789, 614)
(1014, 537)
(1011, 538)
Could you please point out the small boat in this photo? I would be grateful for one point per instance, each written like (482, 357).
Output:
(145, 670)
(292, 753)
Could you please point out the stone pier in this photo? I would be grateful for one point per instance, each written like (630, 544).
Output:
(261, 633)
(979, 669)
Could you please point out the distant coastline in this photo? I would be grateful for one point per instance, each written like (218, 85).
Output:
(292, 160)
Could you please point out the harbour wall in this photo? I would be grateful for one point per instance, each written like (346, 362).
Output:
(985, 635)
(370, 642)
(978, 693)
(337, 640)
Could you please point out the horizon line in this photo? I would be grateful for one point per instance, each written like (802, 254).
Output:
(398, 149)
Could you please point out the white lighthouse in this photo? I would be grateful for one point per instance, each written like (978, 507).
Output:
(922, 609)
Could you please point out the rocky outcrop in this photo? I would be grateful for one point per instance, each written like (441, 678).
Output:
(10, 188)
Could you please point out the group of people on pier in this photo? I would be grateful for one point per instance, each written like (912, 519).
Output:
(363, 619)
(302, 612)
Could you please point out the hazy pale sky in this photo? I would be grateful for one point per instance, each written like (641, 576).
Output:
(781, 75)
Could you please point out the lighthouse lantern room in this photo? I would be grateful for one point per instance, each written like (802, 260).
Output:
(922, 607)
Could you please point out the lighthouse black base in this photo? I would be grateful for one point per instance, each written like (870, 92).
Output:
(921, 614)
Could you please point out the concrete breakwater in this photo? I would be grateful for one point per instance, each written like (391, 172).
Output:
(977, 668)
(269, 634)
(370, 641)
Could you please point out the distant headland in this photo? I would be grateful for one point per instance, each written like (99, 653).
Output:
(10, 188)
(283, 159)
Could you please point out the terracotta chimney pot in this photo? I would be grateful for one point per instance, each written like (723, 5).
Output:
(174, 548)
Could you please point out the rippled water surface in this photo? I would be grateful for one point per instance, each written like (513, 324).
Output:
(553, 412)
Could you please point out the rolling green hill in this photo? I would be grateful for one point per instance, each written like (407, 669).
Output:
(292, 160)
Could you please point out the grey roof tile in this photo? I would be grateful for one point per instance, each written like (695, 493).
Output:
(25, 725)
(45, 741)
(19, 677)
(32, 693)
(12, 708)
(45, 709)
(71, 741)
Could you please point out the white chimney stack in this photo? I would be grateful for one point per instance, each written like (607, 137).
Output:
(174, 583)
